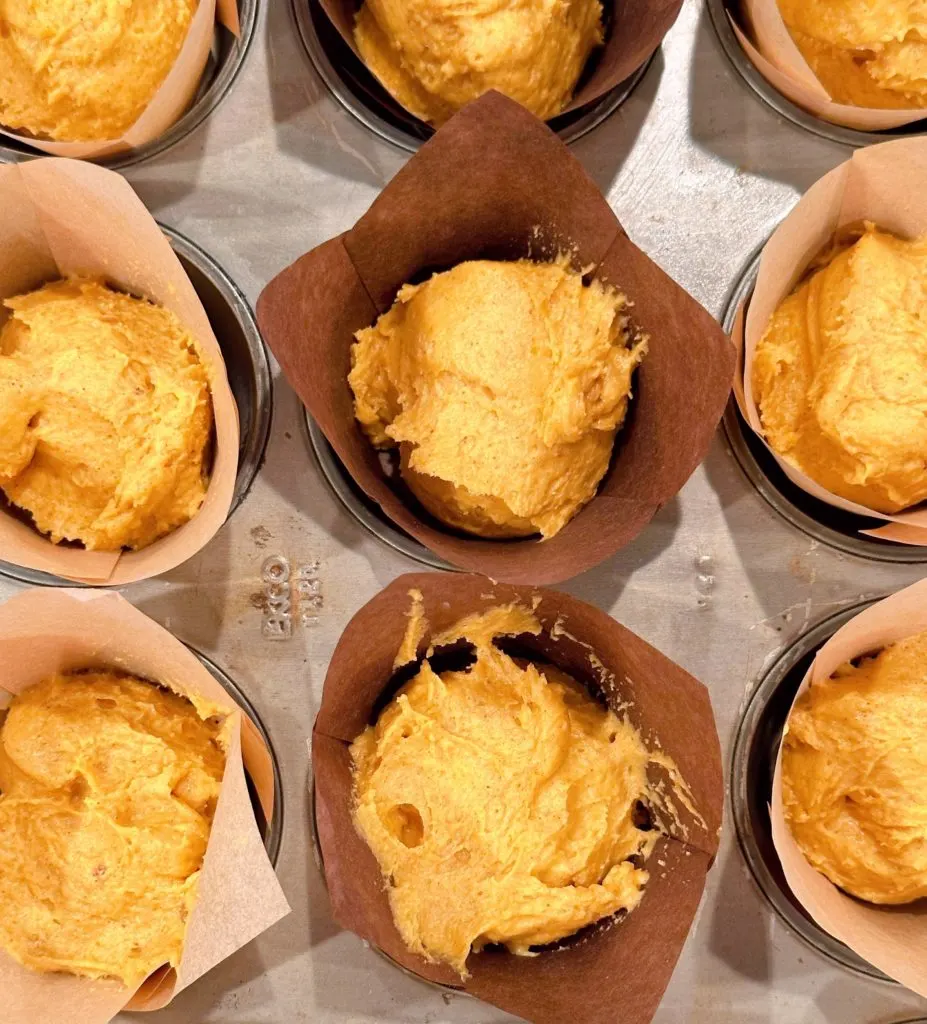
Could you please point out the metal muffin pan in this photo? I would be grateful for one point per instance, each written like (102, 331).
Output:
(366, 511)
(747, 70)
(756, 747)
(248, 369)
(356, 89)
(226, 59)
(696, 180)
(271, 831)
(823, 522)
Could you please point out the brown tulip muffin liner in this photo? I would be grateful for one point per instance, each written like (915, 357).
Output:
(891, 938)
(884, 184)
(634, 30)
(62, 217)
(168, 104)
(496, 183)
(45, 631)
(623, 962)
(769, 45)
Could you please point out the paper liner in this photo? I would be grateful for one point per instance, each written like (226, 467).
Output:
(47, 631)
(884, 184)
(891, 938)
(497, 183)
(634, 30)
(626, 964)
(779, 60)
(60, 217)
(169, 103)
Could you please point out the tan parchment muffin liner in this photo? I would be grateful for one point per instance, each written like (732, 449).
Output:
(60, 217)
(891, 938)
(170, 101)
(776, 56)
(624, 964)
(496, 183)
(47, 631)
(885, 184)
(634, 30)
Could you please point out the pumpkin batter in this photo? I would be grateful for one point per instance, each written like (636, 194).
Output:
(108, 786)
(840, 374)
(85, 70)
(435, 56)
(105, 415)
(854, 775)
(500, 801)
(864, 54)
(504, 384)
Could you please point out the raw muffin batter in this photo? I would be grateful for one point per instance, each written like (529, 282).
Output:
(105, 415)
(85, 70)
(435, 56)
(840, 374)
(505, 384)
(500, 801)
(864, 54)
(108, 786)
(854, 775)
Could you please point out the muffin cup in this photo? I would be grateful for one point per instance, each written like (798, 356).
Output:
(753, 760)
(361, 94)
(891, 938)
(634, 30)
(883, 184)
(779, 60)
(60, 217)
(822, 522)
(48, 631)
(168, 103)
(626, 962)
(496, 183)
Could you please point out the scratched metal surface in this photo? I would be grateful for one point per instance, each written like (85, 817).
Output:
(699, 170)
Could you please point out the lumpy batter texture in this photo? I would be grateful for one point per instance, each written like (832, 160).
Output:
(854, 775)
(105, 415)
(840, 374)
(108, 786)
(84, 70)
(500, 802)
(504, 385)
(435, 56)
(865, 54)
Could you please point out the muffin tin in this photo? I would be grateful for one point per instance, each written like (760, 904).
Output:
(226, 60)
(246, 361)
(699, 173)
